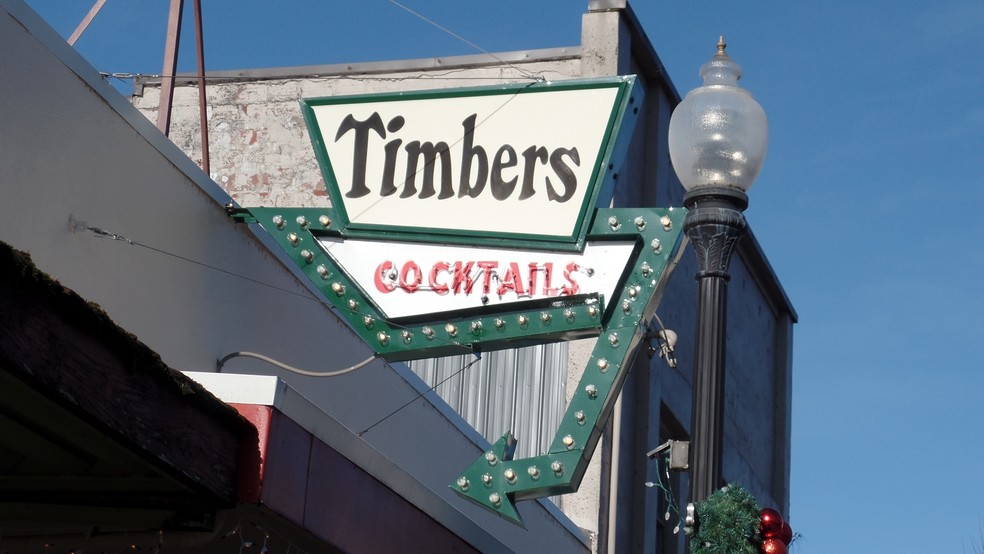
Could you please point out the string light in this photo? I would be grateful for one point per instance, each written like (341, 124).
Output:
(663, 465)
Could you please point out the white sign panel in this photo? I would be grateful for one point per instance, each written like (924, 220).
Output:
(413, 279)
(489, 163)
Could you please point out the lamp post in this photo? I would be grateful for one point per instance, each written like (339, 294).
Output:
(717, 141)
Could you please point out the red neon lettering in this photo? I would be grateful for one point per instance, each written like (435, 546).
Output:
(383, 269)
(531, 286)
(439, 267)
(548, 289)
(573, 287)
(462, 276)
(512, 280)
(486, 270)
(405, 283)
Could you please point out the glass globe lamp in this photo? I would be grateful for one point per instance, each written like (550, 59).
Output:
(718, 134)
(717, 141)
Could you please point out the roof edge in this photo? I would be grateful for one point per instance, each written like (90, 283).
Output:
(273, 391)
(374, 68)
(751, 252)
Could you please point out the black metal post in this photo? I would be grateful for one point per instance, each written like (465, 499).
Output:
(714, 224)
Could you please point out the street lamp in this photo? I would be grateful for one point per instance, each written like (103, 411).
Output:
(717, 140)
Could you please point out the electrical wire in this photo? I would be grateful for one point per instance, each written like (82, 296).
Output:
(77, 226)
(102, 233)
(478, 358)
(466, 41)
(122, 76)
(220, 363)
(667, 491)
(478, 124)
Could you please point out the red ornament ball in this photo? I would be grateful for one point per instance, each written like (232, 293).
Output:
(771, 524)
(785, 534)
(774, 546)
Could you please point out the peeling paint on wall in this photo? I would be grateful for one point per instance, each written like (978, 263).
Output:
(260, 152)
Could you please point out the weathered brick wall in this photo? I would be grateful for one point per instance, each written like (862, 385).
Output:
(260, 152)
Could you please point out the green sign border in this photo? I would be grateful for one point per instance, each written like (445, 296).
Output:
(296, 230)
(496, 481)
(621, 124)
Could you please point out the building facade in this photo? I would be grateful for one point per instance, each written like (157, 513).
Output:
(110, 169)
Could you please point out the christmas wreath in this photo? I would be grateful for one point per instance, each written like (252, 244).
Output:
(731, 522)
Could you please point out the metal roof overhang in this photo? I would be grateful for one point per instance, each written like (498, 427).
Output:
(94, 429)
(323, 477)
(103, 446)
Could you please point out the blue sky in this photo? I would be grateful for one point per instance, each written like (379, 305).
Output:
(868, 206)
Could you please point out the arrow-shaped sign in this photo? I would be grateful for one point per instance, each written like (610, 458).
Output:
(506, 169)
(496, 481)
